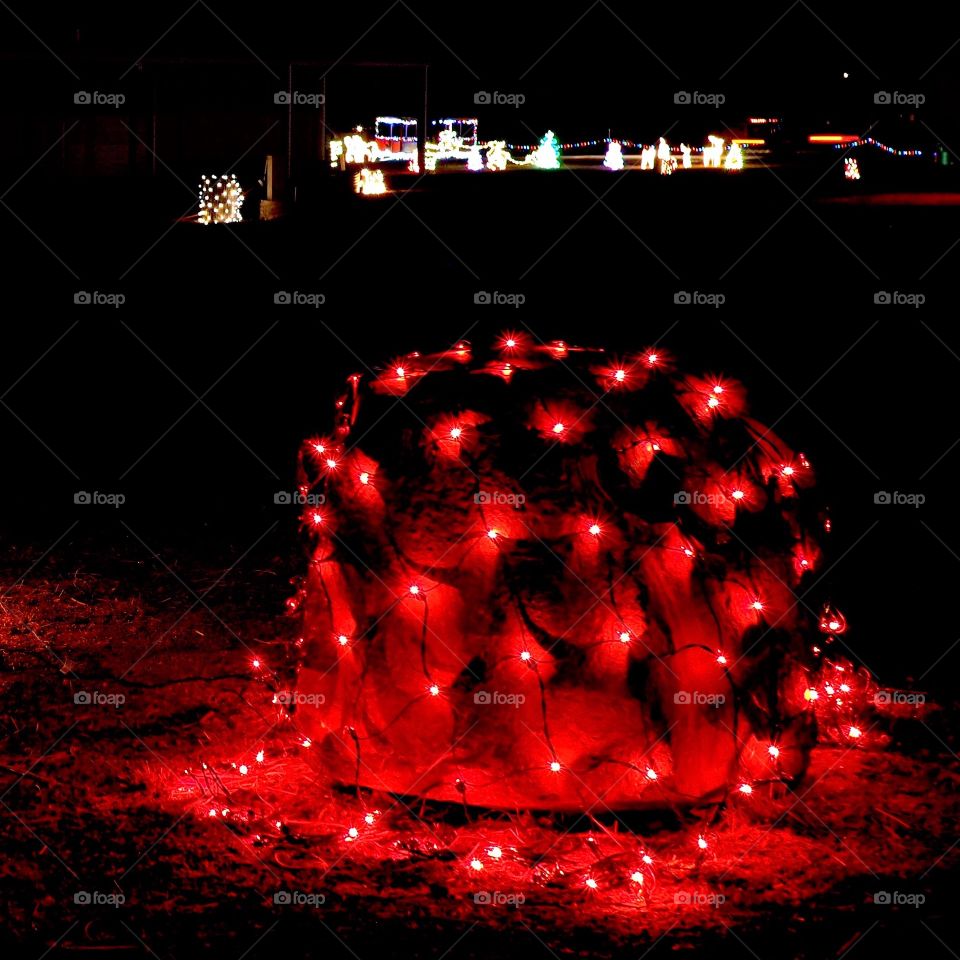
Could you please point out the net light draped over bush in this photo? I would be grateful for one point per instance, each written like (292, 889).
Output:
(552, 578)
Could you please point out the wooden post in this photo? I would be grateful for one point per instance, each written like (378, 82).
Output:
(270, 209)
(153, 122)
(323, 125)
(424, 124)
(289, 124)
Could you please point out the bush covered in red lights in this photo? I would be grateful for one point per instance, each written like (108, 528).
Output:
(549, 578)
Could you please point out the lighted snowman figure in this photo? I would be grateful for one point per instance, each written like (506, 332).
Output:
(614, 158)
(475, 160)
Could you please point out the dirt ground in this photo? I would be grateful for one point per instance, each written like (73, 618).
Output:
(155, 802)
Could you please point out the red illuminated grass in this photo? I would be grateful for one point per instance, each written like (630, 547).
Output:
(118, 799)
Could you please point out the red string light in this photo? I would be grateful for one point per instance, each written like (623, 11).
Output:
(428, 634)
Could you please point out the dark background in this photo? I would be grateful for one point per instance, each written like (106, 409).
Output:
(104, 399)
(192, 398)
(594, 63)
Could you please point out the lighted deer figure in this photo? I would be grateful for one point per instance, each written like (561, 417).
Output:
(713, 154)
(648, 156)
(685, 151)
(357, 149)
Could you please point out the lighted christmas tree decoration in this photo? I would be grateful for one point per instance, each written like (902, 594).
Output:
(529, 623)
(547, 154)
(614, 157)
(220, 200)
(851, 169)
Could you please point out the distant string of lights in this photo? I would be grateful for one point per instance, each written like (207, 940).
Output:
(584, 144)
(871, 142)
(837, 141)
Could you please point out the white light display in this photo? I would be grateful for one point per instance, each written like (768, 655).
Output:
(614, 158)
(497, 155)
(713, 154)
(370, 182)
(547, 154)
(220, 200)
(734, 159)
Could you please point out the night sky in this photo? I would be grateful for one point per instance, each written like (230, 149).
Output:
(800, 286)
(595, 66)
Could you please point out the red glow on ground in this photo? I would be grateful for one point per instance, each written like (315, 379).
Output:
(924, 199)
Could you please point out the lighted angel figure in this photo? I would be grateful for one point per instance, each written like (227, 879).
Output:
(713, 154)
